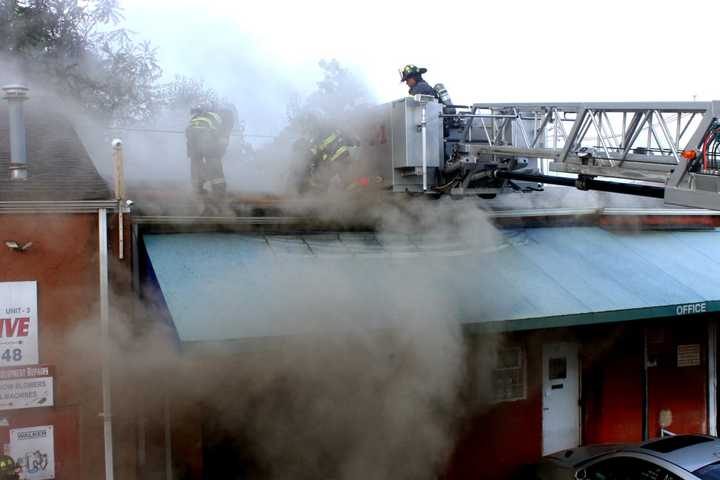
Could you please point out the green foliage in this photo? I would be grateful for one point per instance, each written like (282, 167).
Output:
(339, 99)
(78, 48)
(184, 92)
(339, 95)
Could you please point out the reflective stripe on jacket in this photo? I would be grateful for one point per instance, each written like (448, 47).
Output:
(206, 120)
(330, 148)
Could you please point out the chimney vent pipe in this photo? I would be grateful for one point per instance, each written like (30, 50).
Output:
(16, 96)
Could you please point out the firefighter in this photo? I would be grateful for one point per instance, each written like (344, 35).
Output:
(208, 136)
(329, 157)
(412, 76)
(9, 470)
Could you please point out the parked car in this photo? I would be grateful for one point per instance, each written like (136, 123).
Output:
(680, 457)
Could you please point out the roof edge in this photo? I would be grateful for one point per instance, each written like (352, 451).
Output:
(591, 318)
(75, 206)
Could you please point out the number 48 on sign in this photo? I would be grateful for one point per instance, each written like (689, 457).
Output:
(14, 355)
(13, 328)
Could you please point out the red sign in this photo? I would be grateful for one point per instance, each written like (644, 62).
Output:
(31, 371)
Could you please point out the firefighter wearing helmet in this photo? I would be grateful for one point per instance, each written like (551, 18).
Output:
(329, 159)
(208, 135)
(9, 470)
(412, 76)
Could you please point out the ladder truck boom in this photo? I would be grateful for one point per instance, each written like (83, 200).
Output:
(668, 150)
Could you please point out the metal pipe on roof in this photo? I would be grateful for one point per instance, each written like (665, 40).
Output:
(15, 96)
(119, 161)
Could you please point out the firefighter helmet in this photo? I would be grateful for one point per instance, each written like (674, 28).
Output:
(411, 71)
(204, 107)
(8, 468)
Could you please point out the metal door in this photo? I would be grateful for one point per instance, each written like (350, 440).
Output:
(561, 394)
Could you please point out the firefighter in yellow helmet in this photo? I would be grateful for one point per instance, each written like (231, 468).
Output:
(9, 470)
(412, 76)
(208, 136)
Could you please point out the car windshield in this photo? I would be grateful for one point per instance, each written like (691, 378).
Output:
(670, 444)
(627, 468)
(709, 472)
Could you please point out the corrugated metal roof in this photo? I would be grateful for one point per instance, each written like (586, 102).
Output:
(235, 286)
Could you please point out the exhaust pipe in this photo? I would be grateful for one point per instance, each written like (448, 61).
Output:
(15, 96)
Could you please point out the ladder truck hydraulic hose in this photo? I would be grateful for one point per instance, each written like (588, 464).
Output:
(586, 183)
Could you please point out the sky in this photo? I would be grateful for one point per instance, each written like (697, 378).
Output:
(260, 53)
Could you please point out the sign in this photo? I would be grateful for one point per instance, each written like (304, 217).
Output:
(688, 355)
(691, 308)
(34, 450)
(26, 387)
(18, 324)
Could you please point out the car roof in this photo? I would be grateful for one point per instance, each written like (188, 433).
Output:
(574, 457)
(689, 452)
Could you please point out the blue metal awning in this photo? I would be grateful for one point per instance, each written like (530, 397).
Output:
(225, 286)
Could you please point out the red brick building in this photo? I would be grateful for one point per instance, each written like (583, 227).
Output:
(57, 218)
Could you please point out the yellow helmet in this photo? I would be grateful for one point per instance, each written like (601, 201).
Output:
(411, 70)
(6, 463)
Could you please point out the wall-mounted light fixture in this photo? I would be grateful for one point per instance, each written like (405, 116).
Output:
(17, 246)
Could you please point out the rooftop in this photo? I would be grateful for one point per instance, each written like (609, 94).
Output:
(59, 167)
(227, 286)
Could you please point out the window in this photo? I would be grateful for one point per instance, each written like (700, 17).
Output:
(557, 369)
(709, 472)
(628, 468)
(509, 375)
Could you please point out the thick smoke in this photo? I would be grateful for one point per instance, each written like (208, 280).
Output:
(364, 370)
(557, 197)
(368, 383)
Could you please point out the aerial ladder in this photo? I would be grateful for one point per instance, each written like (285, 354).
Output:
(667, 150)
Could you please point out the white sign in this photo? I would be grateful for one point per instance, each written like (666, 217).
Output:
(18, 324)
(26, 387)
(34, 450)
